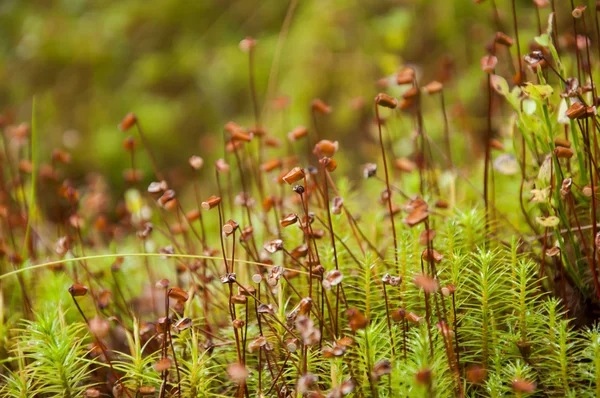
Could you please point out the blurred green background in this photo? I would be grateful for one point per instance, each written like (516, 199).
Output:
(177, 65)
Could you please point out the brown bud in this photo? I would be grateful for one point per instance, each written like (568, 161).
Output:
(386, 101)
(128, 121)
(129, 144)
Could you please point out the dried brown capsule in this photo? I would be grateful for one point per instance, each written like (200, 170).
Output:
(562, 142)
(414, 318)
(576, 111)
(563, 153)
(128, 122)
(488, 63)
(399, 315)
(423, 376)
(388, 279)
(183, 324)
(386, 101)
(273, 246)
(60, 156)
(411, 93)
(129, 144)
(297, 133)
(192, 215)
(336, 205)
(288, 220)
(270, 165)
(433, 87)
(320, 106)
(166, 197)
(369, 170)
(326, 148)
(417, 216)
(211, 202)
(503, 39)
(578, 12)
(553, 251)
(496, 144)
(157, 187)
(426, 236)
(294, 175)
(430, 254)
(381, 368)
(405, 165)
(427, 283)
(238, 323)
(522, 386)
(78, 290)
(241, 135)
(229, 227)
(356, 319)
(476, 374)
(405, 76)
(239, 299)
(328, 163)
(565, 188)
